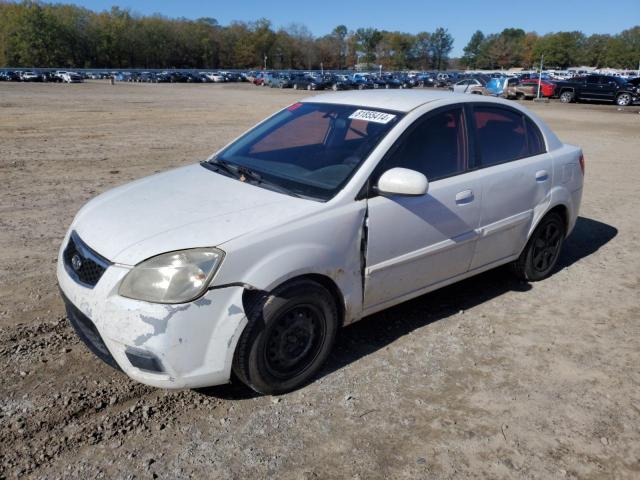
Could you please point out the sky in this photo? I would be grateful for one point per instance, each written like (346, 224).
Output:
(460, 17)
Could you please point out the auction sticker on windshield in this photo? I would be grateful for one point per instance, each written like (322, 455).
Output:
(372, 116)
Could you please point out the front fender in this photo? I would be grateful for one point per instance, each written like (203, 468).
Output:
(326, 244)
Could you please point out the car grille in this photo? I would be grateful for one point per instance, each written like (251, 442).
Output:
(88, 333)
(83, 264)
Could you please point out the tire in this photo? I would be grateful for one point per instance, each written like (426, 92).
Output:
(295, 86)
(566, 96)
(624, 99)
(539, 257)
(334, 87)
(288, 337)
(309, 87)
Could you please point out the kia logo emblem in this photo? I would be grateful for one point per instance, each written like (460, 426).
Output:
(76, 262)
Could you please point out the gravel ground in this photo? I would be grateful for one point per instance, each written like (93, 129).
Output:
(490, 378)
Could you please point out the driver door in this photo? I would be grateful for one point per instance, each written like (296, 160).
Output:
(417, 242)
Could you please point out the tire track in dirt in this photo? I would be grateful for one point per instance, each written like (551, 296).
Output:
(56, 418)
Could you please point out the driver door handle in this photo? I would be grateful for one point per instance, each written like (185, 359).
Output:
(542, 176)
(464, 197)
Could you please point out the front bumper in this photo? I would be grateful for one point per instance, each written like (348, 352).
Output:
(193, 343)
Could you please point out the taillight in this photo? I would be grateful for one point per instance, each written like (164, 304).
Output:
(582, 163)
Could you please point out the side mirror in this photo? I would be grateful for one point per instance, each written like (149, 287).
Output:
(403, 181)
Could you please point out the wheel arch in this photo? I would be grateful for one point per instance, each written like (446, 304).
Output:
(251, 296)
(560, 208)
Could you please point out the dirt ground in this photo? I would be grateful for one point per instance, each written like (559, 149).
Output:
(490, 378)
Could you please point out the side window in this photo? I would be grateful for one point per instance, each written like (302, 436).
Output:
(500, 135)
(534, 139)
(436, 147)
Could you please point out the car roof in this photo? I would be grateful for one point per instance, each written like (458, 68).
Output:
(407, 100)
(397, 100)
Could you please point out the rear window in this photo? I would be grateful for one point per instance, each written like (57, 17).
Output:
(500, 135)
(534, 139)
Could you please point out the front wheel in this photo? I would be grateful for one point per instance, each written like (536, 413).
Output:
(287, 339)
(623, 99)
(540, 255)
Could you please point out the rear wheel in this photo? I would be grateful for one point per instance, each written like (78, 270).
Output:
(540, 255)
(289, 336)
(566, 96)
(623, 99)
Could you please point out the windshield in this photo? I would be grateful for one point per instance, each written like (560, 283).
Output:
(310, 149)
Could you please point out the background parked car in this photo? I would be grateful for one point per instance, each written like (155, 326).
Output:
(70, 77)
(30, 76)
(361, 81)
(215, 77)
(547, 87)
(505, 87)
(282, 80)
(604, 88)
(307, 82)
(466, 85)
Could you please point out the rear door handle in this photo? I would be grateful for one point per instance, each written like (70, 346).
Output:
(542, 176)
(466, 196)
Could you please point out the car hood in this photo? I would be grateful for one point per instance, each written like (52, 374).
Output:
(187, 207)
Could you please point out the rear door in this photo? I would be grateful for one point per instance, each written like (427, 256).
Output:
(416, 242)
(516, 179)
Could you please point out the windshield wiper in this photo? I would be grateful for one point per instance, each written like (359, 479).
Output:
(257, 178)
(243, 173)
(224, 166)
(247, 172)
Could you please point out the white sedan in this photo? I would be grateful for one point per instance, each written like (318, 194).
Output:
(466, 85)
(334, 208)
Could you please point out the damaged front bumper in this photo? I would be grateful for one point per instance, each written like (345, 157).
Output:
(169, 346)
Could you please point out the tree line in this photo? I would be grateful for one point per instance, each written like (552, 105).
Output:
(36, 34)
(513, 47)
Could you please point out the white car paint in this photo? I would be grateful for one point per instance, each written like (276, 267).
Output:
(465, 86)
(215, 77)
(269, 238)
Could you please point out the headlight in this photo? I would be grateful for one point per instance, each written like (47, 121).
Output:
(174, 277)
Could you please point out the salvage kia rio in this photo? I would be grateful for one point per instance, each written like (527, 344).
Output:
(332, 209)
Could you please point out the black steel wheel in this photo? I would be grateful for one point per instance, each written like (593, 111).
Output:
(293, 341)
(541, 253)
(288, 337)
